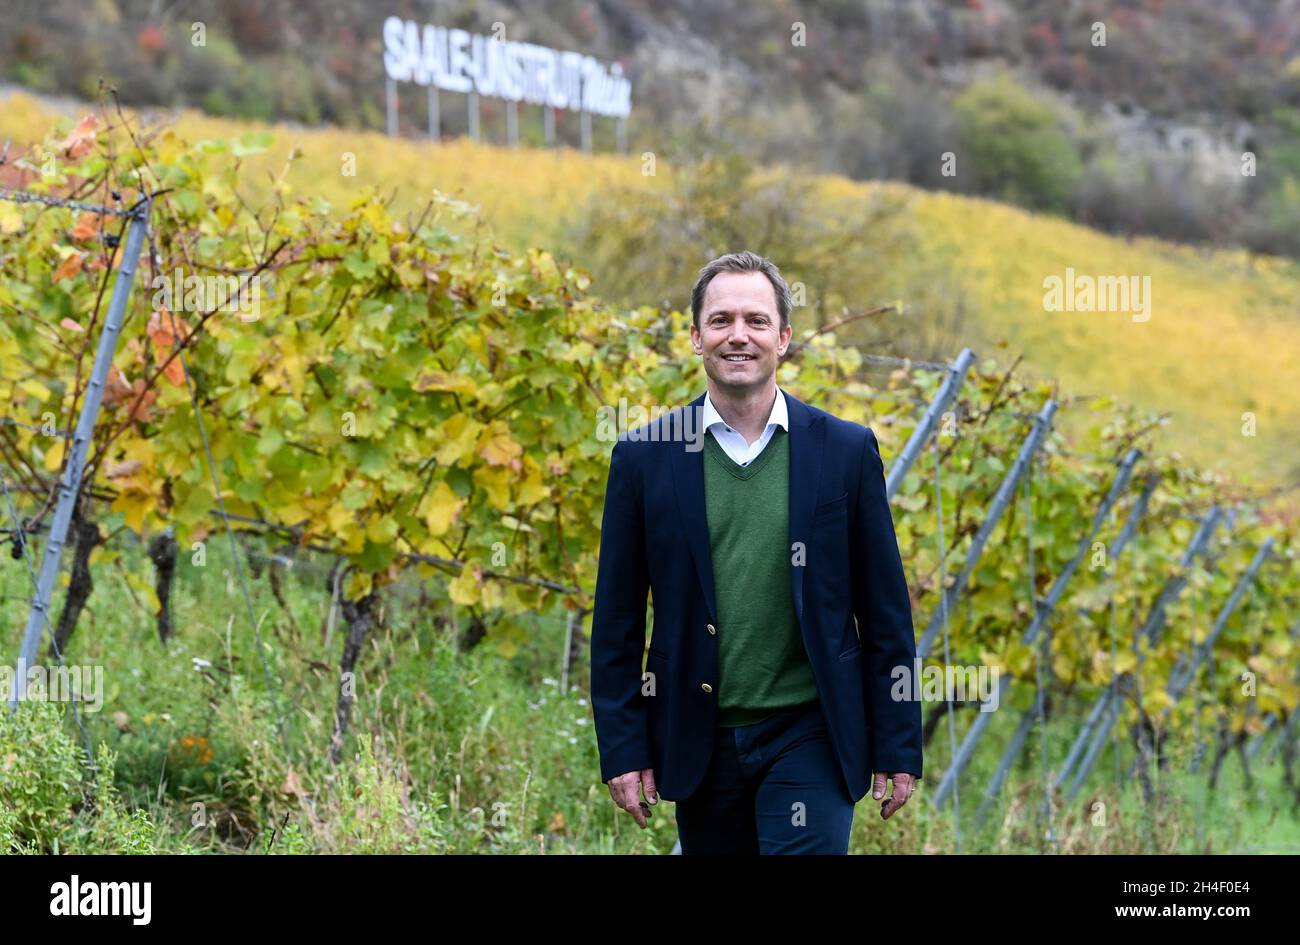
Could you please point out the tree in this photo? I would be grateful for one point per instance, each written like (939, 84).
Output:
(1015, 146)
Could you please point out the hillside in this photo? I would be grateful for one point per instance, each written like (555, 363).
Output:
(1133, 116)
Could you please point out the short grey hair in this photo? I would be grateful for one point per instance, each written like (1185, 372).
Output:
(742, 262)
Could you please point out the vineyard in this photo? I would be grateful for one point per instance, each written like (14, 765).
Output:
(990, 257)
(408, 416)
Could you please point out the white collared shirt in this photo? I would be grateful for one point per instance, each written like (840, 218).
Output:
(733, 442)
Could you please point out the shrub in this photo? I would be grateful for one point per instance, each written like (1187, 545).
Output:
(40, 775)
(1014, 146)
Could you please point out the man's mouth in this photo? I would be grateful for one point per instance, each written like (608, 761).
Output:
(738, 357)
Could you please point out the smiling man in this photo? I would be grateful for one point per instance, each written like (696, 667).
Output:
(780, 603)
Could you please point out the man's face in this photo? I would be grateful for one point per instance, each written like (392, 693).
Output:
(740, 335)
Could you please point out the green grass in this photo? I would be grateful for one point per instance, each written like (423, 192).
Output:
(1110, 814)
(453, 733)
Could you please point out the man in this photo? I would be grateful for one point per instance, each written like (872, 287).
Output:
(762, 710)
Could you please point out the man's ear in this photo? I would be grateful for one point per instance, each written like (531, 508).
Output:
(696, 340)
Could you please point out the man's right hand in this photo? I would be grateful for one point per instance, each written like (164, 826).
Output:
(626, 791)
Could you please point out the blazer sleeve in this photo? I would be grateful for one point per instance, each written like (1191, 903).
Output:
(618, 624)
(884, 613)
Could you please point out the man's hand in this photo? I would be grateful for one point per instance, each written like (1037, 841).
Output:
(904, 783)
(626, 791)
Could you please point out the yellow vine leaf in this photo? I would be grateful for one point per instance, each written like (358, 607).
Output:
(456, 439)
(382, 530)
(11, 220)
(1125, 661)
(443, 381)
(498, 448)
(496, 483)
(533, 489)
(464, 589)
(134, 506)
(34, 388)
(338, 517)
(54, 457)
(358, 585)
(491, 593)
(443, 508)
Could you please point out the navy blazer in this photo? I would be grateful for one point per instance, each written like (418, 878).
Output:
(850, 595)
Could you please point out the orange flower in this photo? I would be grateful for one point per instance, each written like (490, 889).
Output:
(198, 746)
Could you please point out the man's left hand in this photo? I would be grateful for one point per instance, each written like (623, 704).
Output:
(903, 785)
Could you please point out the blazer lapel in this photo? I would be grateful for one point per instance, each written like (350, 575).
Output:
(688, 478)
(807, 439)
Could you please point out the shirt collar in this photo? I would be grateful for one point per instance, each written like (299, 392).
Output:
(780, 414)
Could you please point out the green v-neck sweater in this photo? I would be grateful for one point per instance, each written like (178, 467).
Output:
(762, 664)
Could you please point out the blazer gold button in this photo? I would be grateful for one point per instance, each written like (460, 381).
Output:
(712, 629)
(706, 687)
